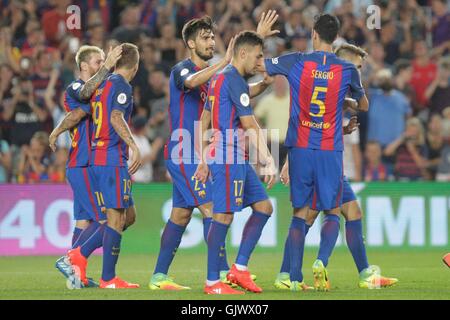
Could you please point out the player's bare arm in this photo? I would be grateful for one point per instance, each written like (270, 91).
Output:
(257, 88)
(89, 87)
(121, 127)
(284, 174)
(202, 171)
(70, 120)
(203, 76)
(258, 141)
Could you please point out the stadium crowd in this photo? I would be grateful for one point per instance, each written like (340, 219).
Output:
(405, 136)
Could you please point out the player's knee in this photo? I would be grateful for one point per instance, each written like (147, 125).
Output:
(181, 217)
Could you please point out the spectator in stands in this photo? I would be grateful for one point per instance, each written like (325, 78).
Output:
(5, 160)
(273, 112)
(57, 168)
(352, 153)
(410, 152)
(25, 115)
(441, 22)
(145, 172)
(403, 74)
(443, 171)
(388, 111)
(130, 29)
(34, 160)
(424, 71)
(438, 92)
(54, 23)
(435, 143)
(446, 124)
(374, 169)
(171, 47)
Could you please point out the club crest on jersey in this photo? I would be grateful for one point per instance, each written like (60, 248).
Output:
(245, 99)
(184, 72)
(239, 201)
(202, 194)
(76, 85)
(122, 98)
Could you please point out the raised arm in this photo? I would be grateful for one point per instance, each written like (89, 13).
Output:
(89, 87)
(201, 77)
(257, 88)
(121, 127)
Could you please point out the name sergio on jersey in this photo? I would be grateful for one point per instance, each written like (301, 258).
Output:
(324, 75)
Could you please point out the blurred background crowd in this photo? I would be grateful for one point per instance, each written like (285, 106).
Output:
(404, 136)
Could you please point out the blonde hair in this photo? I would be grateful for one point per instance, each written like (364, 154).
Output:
(84, 54)
(347, 48)
(417, 123)
(41, 137)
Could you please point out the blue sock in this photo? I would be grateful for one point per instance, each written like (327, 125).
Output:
(328, 237)
(170, 240)
(296, 246)
(355, 242)
(94, 242)
(216, 237)
(223, 253)
(111, 250)
(86, 234)
(75, 236)
(250, 236)
(285, 264)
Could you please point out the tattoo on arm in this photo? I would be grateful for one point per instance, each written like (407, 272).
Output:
(89, 87)
(70, 120)
(121, 127)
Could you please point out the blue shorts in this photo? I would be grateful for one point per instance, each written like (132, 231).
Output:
(319, 171)
(187, 191)
(86, 198)
(235, 186)
(115, 186)
(347, 195)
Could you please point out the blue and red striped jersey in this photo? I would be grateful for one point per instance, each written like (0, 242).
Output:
(228, 100)
(108, 149)
(80, 148)
(185, 109)
(319, 82)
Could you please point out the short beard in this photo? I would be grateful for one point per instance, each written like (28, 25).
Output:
(204, 57)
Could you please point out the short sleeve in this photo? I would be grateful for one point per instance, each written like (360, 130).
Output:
(73, 91)
(239, 95)
(121, 97)
(282, 64)
(180, 73)
(356, 88)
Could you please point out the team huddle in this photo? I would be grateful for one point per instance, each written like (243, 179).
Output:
(215, 173)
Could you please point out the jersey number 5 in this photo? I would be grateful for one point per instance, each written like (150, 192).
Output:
(320, 103)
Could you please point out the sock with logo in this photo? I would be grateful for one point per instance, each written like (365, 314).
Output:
(170, 240)
(111, 250)
(223, 253)
(216, 237)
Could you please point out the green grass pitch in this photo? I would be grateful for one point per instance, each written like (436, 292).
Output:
(422, 275)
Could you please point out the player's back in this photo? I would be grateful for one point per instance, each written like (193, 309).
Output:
(108, 149)
(228, 100)
(319, 82)
(185, 108)
(80, 148)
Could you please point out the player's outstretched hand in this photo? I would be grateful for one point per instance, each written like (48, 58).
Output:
(202, 172)
(52, 142)
(113, 56)
(284, 174)
(352, 125)
(264, 28)
(229, 54)
(136, 161)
